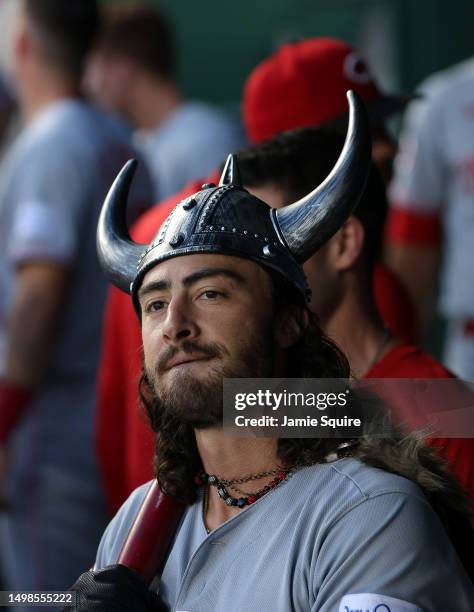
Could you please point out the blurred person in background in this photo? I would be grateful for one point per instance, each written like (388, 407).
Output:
(431, 217)
(132, 73)
(283, 170)
(303, 83)
(309, 79)
(52, 183)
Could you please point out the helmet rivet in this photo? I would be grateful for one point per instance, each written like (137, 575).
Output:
(222, 228)
(208, 185)
(245, 232)
(256, 235)
(268, 251)
(176, 240)
(211, 227)
(189, 204)
(234, 229)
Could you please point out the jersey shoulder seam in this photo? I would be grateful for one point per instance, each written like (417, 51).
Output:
(373, 496)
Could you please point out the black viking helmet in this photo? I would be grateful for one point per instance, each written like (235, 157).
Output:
(226, 219)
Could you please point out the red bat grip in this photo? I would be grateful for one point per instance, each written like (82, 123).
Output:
(147, 545)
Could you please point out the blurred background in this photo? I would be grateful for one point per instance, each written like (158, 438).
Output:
(403, 41)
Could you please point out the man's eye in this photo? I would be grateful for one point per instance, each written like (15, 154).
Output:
(210, 295)
(155, 306)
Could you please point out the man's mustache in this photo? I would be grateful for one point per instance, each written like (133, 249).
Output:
(189, 346)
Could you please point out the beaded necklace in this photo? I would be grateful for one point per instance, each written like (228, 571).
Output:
(221, 484)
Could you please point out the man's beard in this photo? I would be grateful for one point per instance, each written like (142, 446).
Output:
(199, 403)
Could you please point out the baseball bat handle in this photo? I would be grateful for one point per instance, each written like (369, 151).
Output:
(149, 540)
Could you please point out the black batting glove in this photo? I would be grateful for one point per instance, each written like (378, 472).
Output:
(114, 589)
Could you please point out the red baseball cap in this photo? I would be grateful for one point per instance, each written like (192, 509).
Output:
(305, 83)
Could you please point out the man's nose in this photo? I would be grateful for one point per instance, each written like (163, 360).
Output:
(179, 323)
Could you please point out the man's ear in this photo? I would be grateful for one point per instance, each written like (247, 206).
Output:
(289, 325)
(348, 244)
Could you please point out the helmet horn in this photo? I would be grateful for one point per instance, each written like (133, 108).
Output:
(310, 222)
(231, 174)
(118, 254)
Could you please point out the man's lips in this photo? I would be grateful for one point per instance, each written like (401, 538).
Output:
(181, 359)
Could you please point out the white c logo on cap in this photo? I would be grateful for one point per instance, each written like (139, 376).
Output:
(355, 69)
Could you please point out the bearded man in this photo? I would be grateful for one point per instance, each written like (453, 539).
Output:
(270, 525)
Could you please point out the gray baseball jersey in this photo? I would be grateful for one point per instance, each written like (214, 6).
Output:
(52, 185)
(189, 145)
(335, 537)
